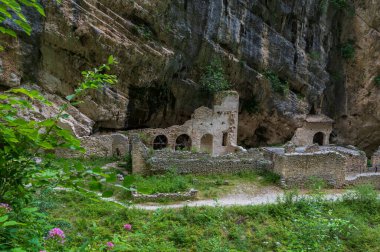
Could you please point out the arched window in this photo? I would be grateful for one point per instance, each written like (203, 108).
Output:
(319, 138)
(183, 142)
(160, 142)
(207, 143)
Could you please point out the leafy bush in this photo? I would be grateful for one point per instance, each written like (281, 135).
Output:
(363, 195)
(377, 81)
(213, 79)
(347, 50)
(251, 105)
(278, 85)
(339, 4)
(22, 140)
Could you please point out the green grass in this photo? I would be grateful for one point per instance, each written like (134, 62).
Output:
(352, 224)
(209, 186)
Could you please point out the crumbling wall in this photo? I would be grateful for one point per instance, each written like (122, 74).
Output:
(101, 146)
(376, 160)
(369, 178)
(185, 162)
(297, 168)
(221, 123)
(304, 136)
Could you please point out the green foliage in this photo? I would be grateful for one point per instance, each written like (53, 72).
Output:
(144, 31)
(278, 85)
(314, 55)
(251, 105)
(22, 230)
(377, 81)
(213, 79)
(22, 140)
(340, 5)
(12, 10)
(347, 50)
(363, 195)
(300, 225)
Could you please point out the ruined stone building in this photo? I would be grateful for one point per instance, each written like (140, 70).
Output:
(209, 130)
(315, 129)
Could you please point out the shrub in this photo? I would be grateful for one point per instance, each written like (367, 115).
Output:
(213, 79)
(278, 85)
(22, 140)
(347, 50)
(251, 105)
(363, 195)
(377, 81)
(340, 4)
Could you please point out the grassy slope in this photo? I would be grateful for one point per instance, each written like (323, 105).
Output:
(350, 225)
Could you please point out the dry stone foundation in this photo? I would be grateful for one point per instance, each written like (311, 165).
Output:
(185, 162)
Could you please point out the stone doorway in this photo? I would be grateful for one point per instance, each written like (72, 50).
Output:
(319, 138)
(183, 142)
(160, 142)
(207, 143)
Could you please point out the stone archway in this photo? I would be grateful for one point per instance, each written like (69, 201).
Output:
(207, 143)
(319, 138)
(160, 142)
(183, 142)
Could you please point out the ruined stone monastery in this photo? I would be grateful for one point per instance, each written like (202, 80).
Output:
(207, 143)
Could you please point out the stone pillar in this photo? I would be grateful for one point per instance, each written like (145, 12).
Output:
(139, 155)
(376, 160)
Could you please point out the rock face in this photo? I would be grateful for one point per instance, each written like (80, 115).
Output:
(163, 47)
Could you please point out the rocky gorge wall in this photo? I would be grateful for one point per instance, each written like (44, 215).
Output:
(164, 45)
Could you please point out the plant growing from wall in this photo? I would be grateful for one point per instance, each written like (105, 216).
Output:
(252, 105)
(347, 50)
(278, 85)
(213, 79)
(377, 81)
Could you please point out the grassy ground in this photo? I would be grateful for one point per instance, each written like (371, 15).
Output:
(352, 224)
(209, 186)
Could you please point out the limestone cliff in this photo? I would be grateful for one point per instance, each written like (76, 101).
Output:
(164, 45)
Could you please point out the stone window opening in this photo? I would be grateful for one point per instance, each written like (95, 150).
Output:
(207, 143)
(160, 142)
(319, 138)
(225, 139)
(183, 142)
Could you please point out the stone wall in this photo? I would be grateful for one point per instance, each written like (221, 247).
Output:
(99, 146)
(185, 162)
(218, 124)
(356, 160)
(365, 178)
(376, 160)
(297, 169)
(312, 125)
(139, 154)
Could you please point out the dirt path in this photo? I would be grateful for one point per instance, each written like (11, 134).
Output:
(266, 195)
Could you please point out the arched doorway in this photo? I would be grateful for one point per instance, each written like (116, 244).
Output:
(207, 143)
(319, 138)
(160, 142)
(183, 142)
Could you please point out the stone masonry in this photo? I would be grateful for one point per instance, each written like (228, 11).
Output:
(213, 131)
(315, 129)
